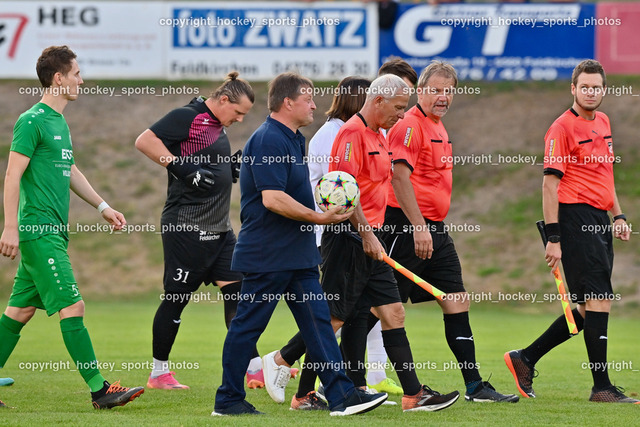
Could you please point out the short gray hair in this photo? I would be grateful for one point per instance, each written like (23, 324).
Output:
(438, 68)
(388, 86)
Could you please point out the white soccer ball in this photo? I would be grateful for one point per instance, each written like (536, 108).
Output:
(337, 188)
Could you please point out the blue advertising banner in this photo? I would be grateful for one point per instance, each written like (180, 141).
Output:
(321, 40)
(494, 41)
(268, 27)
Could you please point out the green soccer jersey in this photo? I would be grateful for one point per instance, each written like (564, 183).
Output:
(42, 134)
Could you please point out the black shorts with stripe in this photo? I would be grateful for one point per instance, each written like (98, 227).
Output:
(442, 270)
(195, 257)
(352, 279)
(587, 251)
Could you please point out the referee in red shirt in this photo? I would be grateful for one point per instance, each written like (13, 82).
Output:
(577, 193)
(418, 203)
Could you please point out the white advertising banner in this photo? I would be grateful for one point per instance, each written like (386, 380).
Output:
(112, 39)
(193, 40)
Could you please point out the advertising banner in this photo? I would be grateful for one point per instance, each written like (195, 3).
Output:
(321, 40)
(617, 37)
(193, 40)
(494, 41)
(113, 40)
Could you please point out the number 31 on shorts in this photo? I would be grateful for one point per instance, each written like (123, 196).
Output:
(181, 275)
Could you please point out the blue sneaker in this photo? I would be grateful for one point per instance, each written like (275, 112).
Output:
(359, 402)
(240, 408)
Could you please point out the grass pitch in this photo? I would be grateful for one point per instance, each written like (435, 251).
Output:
(48, 391)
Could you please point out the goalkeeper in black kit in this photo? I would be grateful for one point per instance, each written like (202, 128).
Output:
(197, 237)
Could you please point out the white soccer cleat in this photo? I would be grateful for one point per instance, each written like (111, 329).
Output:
(276, 377)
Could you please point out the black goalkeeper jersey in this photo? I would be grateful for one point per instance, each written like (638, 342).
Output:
(194, 135)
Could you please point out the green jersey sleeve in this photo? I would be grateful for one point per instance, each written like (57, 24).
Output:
(26, 134)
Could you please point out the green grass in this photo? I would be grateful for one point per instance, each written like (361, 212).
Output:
(121, 333)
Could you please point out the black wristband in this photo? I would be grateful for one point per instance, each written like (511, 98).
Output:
(552, 229)
(621, 216)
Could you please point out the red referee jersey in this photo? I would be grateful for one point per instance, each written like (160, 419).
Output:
(423, 145)
(580, 153)
(364, 154)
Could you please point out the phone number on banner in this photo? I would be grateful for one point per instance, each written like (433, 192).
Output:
(335, 69)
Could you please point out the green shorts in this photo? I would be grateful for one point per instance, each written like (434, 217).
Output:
(44, 278)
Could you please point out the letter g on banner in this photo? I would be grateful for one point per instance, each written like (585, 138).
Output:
(436, 37)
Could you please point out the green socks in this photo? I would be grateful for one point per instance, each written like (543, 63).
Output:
(76, 339)
(9, 336)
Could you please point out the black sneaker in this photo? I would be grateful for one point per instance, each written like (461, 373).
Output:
(114, 395)
(240, 408)
(486, 393)
(611, 394)
(359, 402)
(522, 372)
(428, 400)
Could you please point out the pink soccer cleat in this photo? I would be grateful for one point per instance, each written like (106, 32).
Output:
(166, 382)
(255, 380)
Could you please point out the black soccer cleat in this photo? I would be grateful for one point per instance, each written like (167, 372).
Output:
(240, 408)
(486, 393)
(428, 400)
(310, 402)
(522, 372)
(114, 395)
(611, 394)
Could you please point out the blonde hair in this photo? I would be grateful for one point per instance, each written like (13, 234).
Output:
(234, 88)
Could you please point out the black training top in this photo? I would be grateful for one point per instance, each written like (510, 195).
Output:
(194, 135)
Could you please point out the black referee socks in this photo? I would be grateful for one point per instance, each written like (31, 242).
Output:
(457, 330)
(398, 349)
(595, 337)
(555, 335)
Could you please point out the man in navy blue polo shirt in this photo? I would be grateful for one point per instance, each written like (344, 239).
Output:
(277, 253)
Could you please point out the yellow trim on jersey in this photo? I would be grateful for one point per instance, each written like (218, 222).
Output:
(347, 152)
(552, 147)
(407, 136)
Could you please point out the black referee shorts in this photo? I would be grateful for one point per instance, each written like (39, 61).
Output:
(587, 251)
(442, 270)
(195, 257)
(353, 279)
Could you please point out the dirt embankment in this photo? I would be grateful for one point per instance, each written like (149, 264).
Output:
(496, 195)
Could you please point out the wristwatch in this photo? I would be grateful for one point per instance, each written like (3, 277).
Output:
(554, 239)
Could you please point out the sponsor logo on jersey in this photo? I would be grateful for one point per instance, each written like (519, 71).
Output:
(407, 137)
(57, 138)
(347, 152)
(207, 236)
(67, 154)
